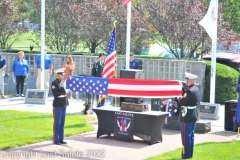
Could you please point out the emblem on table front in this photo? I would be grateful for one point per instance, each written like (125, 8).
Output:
(123, 125)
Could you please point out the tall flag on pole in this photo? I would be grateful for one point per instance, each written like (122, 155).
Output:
(209, 21)
(124, 2)
(110, 64)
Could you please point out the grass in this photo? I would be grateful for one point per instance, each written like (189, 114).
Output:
(206, 151)
(18, 128)
(28, 39)
(25, 42)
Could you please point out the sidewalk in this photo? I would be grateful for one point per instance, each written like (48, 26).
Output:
(87, 146)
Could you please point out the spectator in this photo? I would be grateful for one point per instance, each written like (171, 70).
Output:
(2, 73)
(133, 63)
(48, 66)
(20, 70)
(69, 67)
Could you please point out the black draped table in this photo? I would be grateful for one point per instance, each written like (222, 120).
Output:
(146, 125)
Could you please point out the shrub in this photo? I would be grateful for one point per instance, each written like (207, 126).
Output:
(226, 81)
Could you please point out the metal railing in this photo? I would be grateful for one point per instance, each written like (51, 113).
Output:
(167, 69)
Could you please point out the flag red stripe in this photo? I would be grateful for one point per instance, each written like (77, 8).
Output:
(143, 82)
(111, 61)
(172, 93)
(109, 65)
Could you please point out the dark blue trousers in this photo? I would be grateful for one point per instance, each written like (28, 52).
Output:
(187, 134)
(59, 114)
(237, 116)
(100, 104)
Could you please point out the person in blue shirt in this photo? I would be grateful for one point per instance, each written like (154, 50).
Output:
(48, 66)
(133, 63)
(20, 70)
(2, 73)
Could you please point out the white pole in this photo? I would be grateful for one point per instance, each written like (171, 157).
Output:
(213, 58)
(42, 42)
(128, 34)
(213, 73)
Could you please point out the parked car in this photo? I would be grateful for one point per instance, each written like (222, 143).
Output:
(227, 54)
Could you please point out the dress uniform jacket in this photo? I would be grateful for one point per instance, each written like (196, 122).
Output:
(97, 69)
(59, 93)
(192, 99)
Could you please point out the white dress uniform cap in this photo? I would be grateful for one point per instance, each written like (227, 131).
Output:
(59, 71)
(190, 76)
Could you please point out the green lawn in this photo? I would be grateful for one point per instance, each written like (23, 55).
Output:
(27, 39)
(19, 128)
(206, 151)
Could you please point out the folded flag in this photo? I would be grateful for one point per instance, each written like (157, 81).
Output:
(121, 87)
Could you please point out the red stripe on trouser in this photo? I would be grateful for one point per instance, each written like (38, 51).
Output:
(184, 139)
(54, 124)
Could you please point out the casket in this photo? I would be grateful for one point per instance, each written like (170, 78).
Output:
(134, 107)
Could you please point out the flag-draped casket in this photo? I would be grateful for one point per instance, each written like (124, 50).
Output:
(122, 87)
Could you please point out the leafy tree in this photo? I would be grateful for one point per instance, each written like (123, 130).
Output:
(62, 33)
(231, 9)
(175, 24)
(10, 32)
(96, 19)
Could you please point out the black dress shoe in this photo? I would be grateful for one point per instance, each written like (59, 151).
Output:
(62, 142)
(57, 143)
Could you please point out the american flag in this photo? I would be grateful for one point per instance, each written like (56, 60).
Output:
(110, 63)
(122, 87)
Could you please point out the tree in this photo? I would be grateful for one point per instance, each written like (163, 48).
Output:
(96, 17)
(10, 32)
(231, 13)
(175, 25)
(62, 33)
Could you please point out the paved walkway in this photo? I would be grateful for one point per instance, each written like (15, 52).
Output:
(87, 146)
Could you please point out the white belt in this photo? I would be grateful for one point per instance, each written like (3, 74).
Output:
(62, 96)
(191, 107)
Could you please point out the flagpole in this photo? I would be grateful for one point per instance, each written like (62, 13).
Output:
(128, 34)
(209, 23)
(213, 73)
(42, 42)
(213, 58)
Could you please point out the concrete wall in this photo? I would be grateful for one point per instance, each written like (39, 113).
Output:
(30, 85)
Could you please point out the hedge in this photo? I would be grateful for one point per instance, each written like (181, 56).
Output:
(226, 81)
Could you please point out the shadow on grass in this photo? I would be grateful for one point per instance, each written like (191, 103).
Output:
(76, 125)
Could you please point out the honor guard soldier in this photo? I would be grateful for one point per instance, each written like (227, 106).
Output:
(189, 115)
(60, 103)
(97, 70)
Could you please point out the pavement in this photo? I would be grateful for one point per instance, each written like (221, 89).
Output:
(87, 146)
